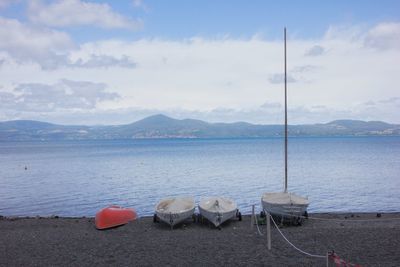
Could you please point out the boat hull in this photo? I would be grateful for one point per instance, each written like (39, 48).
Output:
(173, 211)
(287, 207)
(218, 214)
(114, 216)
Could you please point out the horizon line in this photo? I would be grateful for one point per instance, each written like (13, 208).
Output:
(169, 117)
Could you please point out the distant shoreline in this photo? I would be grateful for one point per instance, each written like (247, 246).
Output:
(163, 127)
(200, 138)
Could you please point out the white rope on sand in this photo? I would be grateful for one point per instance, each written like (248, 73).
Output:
(290, 243)
(258, 228)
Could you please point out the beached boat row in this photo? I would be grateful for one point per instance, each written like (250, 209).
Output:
(216, 210)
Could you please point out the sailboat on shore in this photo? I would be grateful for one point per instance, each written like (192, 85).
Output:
(286, 206)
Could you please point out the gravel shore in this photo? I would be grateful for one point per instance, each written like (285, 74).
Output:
(371, 241)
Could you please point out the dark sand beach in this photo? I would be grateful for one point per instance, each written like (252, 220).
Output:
(76, 242)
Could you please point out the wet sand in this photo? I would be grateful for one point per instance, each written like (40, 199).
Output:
(76, 242)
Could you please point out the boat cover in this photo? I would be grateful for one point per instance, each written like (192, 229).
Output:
(175, 205)
(284, 198)
(218, 204)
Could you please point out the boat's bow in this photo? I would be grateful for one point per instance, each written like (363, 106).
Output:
(175, 210)
(218, 209)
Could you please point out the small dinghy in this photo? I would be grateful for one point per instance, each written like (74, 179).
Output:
(174, 210)
(114, 216)
(217, 210)
(286, 206)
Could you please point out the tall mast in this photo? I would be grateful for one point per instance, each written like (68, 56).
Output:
(286, 127)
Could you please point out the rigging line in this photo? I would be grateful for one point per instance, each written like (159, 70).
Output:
(286, 126)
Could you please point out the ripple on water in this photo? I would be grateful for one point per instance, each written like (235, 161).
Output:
(78, 178)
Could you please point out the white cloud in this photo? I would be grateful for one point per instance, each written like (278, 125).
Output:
(392, 100)
(77, 12)
(50, 49)
(26, 43)
(103, 61)
(305, 68)
(384, 36)
(64, 95)
(228, 79)
(345, 32)
(271, 105)
(316, 50)
(278, 78)
(140, 4)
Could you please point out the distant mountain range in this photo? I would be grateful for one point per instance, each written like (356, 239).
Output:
(160, 126)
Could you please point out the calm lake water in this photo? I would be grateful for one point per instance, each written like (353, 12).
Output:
(77, 178)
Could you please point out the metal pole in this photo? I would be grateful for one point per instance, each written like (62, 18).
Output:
(327, 259)
(286, 127)
(268, 230)
(253, 215)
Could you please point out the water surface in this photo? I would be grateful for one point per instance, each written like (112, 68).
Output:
(76, 178)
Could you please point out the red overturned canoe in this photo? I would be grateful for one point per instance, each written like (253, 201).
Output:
(114, 216)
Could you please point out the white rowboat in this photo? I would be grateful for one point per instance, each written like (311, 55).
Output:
(174, 210)
(217, 210)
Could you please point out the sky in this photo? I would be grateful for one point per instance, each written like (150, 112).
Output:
(115, 62)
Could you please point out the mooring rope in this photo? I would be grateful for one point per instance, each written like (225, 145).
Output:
(258, 228)
(290, 243)
(339, 220)
(331, 255)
